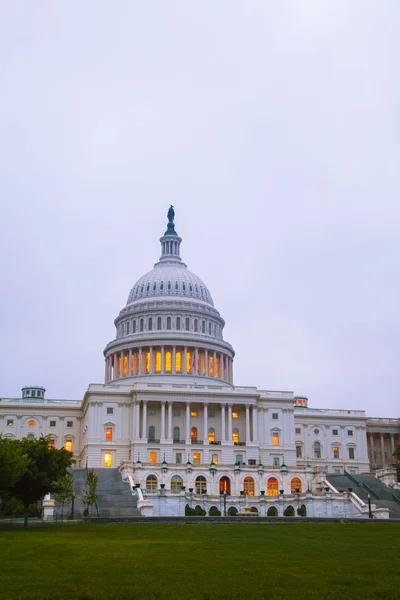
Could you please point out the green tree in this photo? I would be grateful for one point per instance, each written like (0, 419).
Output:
(91, 484)
(14, 462)
(46, 466)
(65, 492)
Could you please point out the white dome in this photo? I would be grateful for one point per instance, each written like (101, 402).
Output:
(170, 280)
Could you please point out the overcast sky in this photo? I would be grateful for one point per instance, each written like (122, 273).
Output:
(271, 126)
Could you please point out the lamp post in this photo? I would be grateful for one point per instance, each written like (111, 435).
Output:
(369, 507)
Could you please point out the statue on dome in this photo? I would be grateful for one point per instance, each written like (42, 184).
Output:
(171, 214)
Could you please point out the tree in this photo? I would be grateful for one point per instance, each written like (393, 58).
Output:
(46, 466)
(14, 462)
(65, 492)
(91, 495)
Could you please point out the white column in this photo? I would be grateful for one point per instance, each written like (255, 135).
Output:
(144, 421)
(129, 363)
(187, 433)
(173, 370)
(169, 433)
(205, 423)
(247, 424)
(229, 422)
(162, 359)
(163, 419)
(255, 431)
(223, 428)
(137, 419)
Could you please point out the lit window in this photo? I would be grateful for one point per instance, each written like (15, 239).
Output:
(248, 486)
(70, 423)
(335, 452)
(196, 458)
(109, 434)
(52, 423)
(158, 362)
(272, 486)
(107, 460)
(299, 452)
(177, 413)
(153, 457)
(110, 410)
(31, 423)
(295, 485)
(235, 415)
(52, 444)
(68, 445)
(298, 431)
(194, 413)
(10, 422)
(176, 483)
(275, 439)
(351, 453)
(275, 416)
(211, 435)
(235, 436)
(178, 362)
(151, 484)
(147, 362)
(168, 361)
(214, 459)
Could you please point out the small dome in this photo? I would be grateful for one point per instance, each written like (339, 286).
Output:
(170, 280)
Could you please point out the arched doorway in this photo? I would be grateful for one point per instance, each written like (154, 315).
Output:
(224, 485)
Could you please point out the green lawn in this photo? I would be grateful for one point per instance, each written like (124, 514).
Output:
(204, 562)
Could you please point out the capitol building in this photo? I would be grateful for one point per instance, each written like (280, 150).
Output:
(170, 418)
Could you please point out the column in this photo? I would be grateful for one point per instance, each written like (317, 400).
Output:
(255, 430)
(169, 432)
(163, 419)
(121, 371)
(215, 364)
(205, 423)
(130, 363)
(173, 370)
(144, 420)
(247, 423)
(207, 363)
(162, 359)
(137, 419)
(230, 422)
(187, 432)
(383, 449)
(223, 429)
(184, 360)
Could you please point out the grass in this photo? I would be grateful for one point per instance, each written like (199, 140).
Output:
(201, 562)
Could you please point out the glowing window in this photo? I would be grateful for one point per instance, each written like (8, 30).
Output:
(235, 415)
(295, 485)
(176, 434)
(178, 323)
(200, 485)
(272, 486)
(211, 435)
(158, 362)
(188, 363)
(235, 436)
(178, 361)
(151, 483)
(248, 486)
(336, 452)
(168, 361)
(107, 460)
(193, 435)
(275, 439)
(196, 458)
(176, 483)
(109, 434)
(194, 413)
(153, 457)
(31, 423)
(68, 445)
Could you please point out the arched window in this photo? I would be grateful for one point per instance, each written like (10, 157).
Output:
(133, 326)
(295, 485)
(317, 450)
(168, 322)
(158, 323)
(176, 483)
(196, 325)
(235, 436)
(187, 324)
(272, 486)
(151, 484)
(248, 486)
(176, 434)
(152, 433)
(203, 327)
(150, 324)
(193, 435)
(141, 324)
(211, 435)
(127, 328)
(178, 323)
(200, 485)
(224, 485)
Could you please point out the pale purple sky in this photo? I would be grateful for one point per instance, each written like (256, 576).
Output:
(273, 128)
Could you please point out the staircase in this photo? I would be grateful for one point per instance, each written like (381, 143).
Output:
(115, 496)
(362, 485)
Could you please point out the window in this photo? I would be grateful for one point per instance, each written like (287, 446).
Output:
(68, 445)
(153, 457)
(178, 323)
(152, 411)
(298, 431)
(350, 433)
(168, 322)
(159, 323)
(176, 434)
(150, 324)
(187, 324)
(194, 413)
(275, 461)
(317, 450)
(235, 436)
(10, 422)
(295, 485)
(141, 324)
(272, 486)
(107, 459)
(70, 423)
(200, 485)
(193, 435)
(335, 451)
(109, 434)
(151, 484)
(351, 453)
(275, 416)
(335, 432)
(152, 433)
(176, 484)
(211, 435)
(31, 423)
(235, 415)
(248, 486)
(196, 458)
(177, 413)
(214, 458)
(110, 410)
(178, 458)
(299, 452)
(275, 438)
